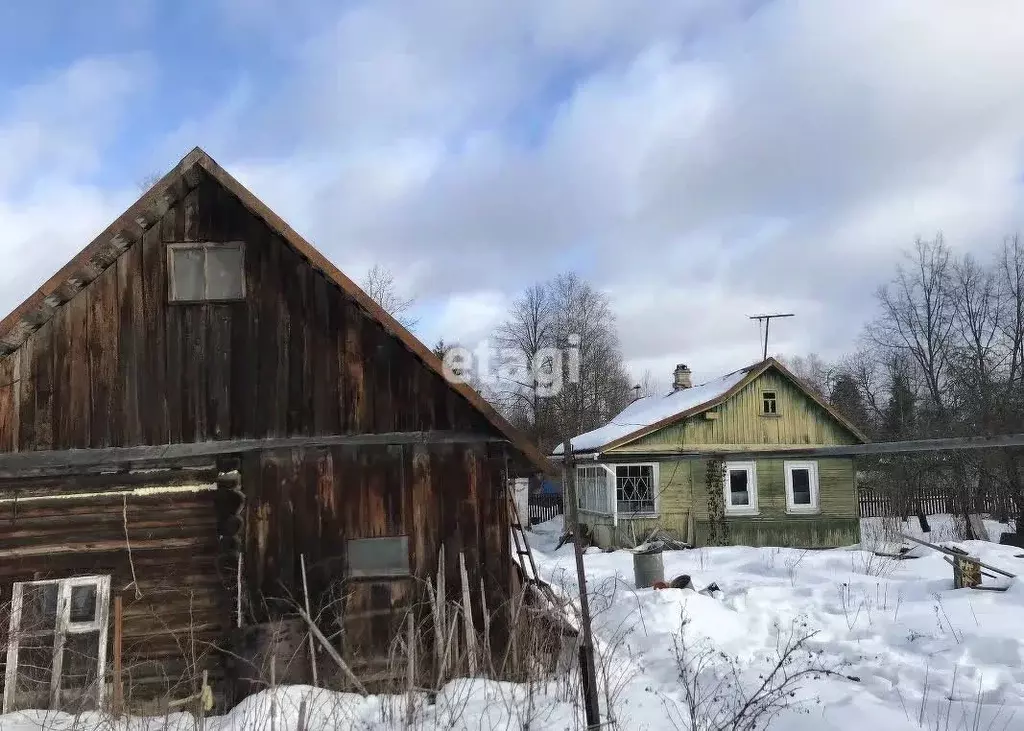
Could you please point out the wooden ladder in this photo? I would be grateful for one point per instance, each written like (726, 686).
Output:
(521, 546)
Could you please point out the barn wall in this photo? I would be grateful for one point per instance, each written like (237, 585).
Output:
(312, 501)
(118, 365)
(183, 606)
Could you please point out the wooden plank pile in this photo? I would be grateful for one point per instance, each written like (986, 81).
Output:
(967, 570)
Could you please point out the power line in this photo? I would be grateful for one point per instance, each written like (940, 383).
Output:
(767, 321)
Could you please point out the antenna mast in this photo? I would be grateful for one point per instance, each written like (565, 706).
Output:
(767, 321)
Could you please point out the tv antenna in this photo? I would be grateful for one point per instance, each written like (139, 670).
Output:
(767, 319)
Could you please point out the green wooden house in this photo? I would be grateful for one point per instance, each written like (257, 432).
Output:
(721, 463)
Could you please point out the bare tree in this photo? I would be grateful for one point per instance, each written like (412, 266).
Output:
(380, 285)
(568, 316)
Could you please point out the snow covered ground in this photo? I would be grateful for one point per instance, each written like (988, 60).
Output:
(891, 645)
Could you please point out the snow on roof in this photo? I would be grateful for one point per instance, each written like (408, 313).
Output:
(650, 410)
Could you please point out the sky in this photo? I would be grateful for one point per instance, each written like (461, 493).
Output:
(698, 160)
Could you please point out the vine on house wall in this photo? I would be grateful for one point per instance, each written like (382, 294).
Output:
(718, 530)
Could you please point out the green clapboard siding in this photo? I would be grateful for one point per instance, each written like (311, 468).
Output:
(740, 423)
(793, 531)
(683, 490)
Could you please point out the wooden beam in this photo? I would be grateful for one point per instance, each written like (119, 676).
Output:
(71, 461)
(949, 444)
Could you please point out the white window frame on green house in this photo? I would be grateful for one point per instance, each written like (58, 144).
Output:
(750, 468)
(597, 490)
(812, 474)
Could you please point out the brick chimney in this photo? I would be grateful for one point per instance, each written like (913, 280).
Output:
(682, 378)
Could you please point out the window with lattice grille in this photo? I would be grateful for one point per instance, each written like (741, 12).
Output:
(636, 489)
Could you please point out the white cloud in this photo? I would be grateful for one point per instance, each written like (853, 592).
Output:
(701, 161)
(53, 135)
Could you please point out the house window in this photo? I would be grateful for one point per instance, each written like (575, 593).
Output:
(206, 272)
(636, 487)
(740, 489)
(592, 489)
(378, 557)
(802, 487)
(56, 651)
(769, 403)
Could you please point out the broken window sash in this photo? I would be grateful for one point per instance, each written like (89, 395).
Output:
(56, 649)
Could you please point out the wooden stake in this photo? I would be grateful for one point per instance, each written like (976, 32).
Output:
(301, 724)
(591, 706)
(487, 624)
(118, 698)
(312, 644)
(467, 611)
(329, 649)
(273, 693)
(410, 680)
(238, 593)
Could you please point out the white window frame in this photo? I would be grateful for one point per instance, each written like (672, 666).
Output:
(812, 468)
(751, 469)
(203, 246)
(609, 493)
(63, 626)
(655, 488)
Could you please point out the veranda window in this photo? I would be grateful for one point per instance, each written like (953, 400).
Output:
(56, 649)
(592, 489)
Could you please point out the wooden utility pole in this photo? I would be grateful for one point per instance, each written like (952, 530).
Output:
(588, 669)
(767, 321)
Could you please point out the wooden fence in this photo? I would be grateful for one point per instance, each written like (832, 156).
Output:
(544, 506)
(934, 500)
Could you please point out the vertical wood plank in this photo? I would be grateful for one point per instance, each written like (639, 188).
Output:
(295, 274)
(268, 312)
(103, 354)
(78, 404)
(324, 357)
(132, 342)
(172, 228)
(153, 384)
(42, 369)
(8, 393)
(27, 396)
(355, 387)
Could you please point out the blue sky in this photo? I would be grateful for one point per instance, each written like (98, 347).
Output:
(699, 160)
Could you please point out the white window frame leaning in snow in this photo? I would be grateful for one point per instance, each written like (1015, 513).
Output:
(812, 474)
(751, 469)
(655, 501)
(63, 626)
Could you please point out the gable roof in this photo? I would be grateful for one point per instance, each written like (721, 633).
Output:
(651, 413)
(128, 228)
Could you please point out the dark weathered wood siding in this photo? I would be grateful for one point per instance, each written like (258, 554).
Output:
(183, 607)
(313, 501)
(118, 365)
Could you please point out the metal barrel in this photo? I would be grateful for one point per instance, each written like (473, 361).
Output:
(648, 568)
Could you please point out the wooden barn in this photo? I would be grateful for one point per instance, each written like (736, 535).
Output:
(200, 389)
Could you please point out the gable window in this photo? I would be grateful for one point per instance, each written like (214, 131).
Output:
(378, 557)
(592, 489)
(56, 650)
(740, 488)
(206, 272)
(801, 487)
(636, 487)
(769, 403)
